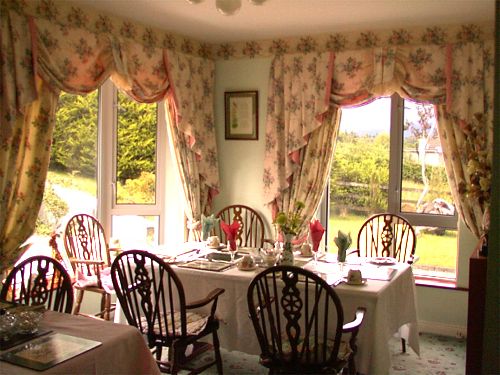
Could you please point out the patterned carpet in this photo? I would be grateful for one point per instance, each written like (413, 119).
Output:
(439, 356)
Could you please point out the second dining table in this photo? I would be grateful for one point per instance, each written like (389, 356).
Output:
(121, 348)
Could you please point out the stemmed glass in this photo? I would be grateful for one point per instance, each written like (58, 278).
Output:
(232, 251)
(316, 255)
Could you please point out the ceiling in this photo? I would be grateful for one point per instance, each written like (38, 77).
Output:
(287, 18)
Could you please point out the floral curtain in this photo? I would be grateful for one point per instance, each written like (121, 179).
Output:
(78, 61)
(300, 131)
(457, 78)
(196, 150)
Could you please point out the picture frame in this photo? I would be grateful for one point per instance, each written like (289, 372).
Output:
(241, 115)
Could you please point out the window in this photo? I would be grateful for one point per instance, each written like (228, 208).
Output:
(388, 158)
(135, 173)
(110, 158)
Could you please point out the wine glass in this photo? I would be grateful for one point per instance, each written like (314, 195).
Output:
(232, 251)
(316, 254)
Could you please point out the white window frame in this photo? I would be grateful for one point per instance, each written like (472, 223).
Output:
(395, 181)
(396, 178)
(107, 141)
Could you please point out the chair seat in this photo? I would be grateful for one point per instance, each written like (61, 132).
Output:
(344, 349)
(195, 323)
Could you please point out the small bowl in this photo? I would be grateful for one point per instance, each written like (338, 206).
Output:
(27, 322)
(269, 259)
(7, 326)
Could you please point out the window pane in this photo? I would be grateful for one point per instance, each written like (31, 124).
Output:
(136, 152)
(360, 178)
(360, 169)
(71, 184)
(135, 231)
(425, 187)
(437, 252)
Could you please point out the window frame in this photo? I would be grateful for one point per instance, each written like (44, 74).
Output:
(396, 175)
(394, 193)
(107, 162)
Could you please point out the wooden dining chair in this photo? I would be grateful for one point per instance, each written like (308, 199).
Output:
(387, 235)
(299, 322)
(251, 231)
(39, 280)
(153, 300)
(88, 252)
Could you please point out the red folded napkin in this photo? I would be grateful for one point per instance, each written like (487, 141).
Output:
(316, 231)
(231, 232)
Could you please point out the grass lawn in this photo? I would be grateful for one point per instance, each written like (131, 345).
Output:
(435, 251)
(86, 184)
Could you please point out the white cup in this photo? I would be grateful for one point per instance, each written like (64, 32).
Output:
(354, 277)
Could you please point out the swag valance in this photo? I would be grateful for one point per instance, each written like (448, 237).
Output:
(457, 78)
(40, 58)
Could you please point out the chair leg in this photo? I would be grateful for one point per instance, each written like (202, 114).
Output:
(218, 358)
(177, 353)
(79, 298)
(158, 352)
(403, 345)
(107, 306)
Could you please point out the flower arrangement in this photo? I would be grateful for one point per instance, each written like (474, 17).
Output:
(479, 161)
(290, 222)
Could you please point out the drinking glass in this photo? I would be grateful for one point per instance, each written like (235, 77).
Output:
(232, 252)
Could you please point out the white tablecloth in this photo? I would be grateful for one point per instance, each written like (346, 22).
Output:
(390, 305)
(123, 349)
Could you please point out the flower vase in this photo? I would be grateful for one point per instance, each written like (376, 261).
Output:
(287, 256)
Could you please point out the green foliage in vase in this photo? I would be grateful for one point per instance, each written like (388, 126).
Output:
(290, 222)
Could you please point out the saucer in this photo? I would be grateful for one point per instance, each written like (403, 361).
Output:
(363, 282)
(383, 261)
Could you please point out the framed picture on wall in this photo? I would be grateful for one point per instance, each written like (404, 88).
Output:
(241, 110)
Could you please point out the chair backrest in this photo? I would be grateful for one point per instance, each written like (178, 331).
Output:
(251, 232)
(387, 235)
(151, 296)
(84, 239)
(39, 280)
(297, 318)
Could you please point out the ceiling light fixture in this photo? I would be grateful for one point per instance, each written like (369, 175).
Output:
(228, 7)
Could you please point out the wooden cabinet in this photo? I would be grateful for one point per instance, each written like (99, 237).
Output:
(475, 316)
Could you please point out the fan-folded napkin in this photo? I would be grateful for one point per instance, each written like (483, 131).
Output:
(316, 231)
(231, 232)
(207, 224)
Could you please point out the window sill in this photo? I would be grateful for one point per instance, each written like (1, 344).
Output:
(437, 282)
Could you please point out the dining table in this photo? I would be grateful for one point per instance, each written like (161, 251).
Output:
(387, 293)
(117, 348)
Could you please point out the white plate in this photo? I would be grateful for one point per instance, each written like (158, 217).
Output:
(383, 261)
(363, 282)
